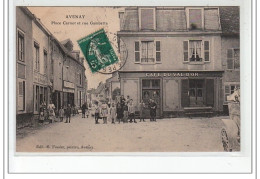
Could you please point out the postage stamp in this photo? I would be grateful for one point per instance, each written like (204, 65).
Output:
(97, 50)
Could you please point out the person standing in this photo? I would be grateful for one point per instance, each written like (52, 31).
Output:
(153, 107)
(131, 111)
(119, 111)
(68, 114)
(83, 109)
(61, 114)
(141, 108)
(113, 111)
(97, 113)
(104, 112)
(125, 114)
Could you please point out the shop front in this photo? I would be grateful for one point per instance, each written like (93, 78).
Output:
(68, 93)
(173, 91)
(40, 91)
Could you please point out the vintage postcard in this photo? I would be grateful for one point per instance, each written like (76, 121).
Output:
(127, 79)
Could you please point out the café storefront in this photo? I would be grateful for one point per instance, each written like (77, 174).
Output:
(173, 91)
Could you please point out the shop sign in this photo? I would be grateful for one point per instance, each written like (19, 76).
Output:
(39, 78)
(68, 84)
(190, 74)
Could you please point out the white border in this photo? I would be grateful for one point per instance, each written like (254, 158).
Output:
(142, 162)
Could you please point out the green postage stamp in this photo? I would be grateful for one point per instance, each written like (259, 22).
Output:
(97, 50)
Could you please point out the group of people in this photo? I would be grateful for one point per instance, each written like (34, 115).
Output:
(123, 111)
(49, 113)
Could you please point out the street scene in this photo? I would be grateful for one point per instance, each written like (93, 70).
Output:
(83, 135)
(130, 79)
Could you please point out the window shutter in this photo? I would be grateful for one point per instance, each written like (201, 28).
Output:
(158, 51)
(21, 95)
(227, 91)
(185, 51)
(206, 51)
(230, 59)
(137, 51)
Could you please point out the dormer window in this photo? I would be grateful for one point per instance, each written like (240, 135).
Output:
(195, 19)
(147, 19)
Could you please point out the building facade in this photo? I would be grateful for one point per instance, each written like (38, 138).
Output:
(174, 58)
(47, 71)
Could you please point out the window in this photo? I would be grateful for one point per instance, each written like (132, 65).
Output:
(21, 95)
(233, 59)
(195, 19)
(147, 19)
(45, 61)
(36, 57)
(147, 52)
(229, 89)
(20, 47)
(80, 79)
(193, 51)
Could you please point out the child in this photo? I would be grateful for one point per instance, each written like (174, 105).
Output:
(131, 110)
(42, 115)
(96, 113)
(104, 112)
(113, 113)
(51, 115)
(61, 114)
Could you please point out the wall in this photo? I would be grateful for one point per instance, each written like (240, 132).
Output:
(42, 39)
(57, 56)
(24, 23)
(172, 53)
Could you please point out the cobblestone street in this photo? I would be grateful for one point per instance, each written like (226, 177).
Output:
(165, 135)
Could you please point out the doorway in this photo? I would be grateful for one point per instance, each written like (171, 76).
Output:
(196, 92)
(151, 90)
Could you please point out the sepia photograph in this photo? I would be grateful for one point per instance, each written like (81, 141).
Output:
(127, 79)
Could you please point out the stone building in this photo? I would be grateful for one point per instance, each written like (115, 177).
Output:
(230, 50)
(174, 57)
(47, 71)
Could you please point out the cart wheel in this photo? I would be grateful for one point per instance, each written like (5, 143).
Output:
(225, 140)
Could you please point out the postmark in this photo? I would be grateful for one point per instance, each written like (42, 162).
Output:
(98, 50)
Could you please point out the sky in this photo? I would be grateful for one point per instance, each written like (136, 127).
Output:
(52, 16)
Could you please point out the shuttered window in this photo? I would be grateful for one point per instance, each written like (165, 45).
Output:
(137, 51)
(36, 56)
(195, 19)
(21, 95)
(233, 59)
(185, 51)
(158, 51)
(206, 51)
(20, 46)
(147, 20)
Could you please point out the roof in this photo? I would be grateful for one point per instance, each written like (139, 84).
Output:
(63, 42)
(99, 89)
(229, 19)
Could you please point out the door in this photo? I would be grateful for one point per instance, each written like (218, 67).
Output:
(196, 92)
(151, 90)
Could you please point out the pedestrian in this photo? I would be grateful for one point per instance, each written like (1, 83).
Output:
(141, 108)
(153, 107)
(125, 114)
(51, 115)
(128, 99)
(68, 114)
(83, 109)
(104, 112)
(131, 111)
(41, 118)
(61, 114)
(119, 111)
(73, 110)
(113, 111)
(97, 114)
